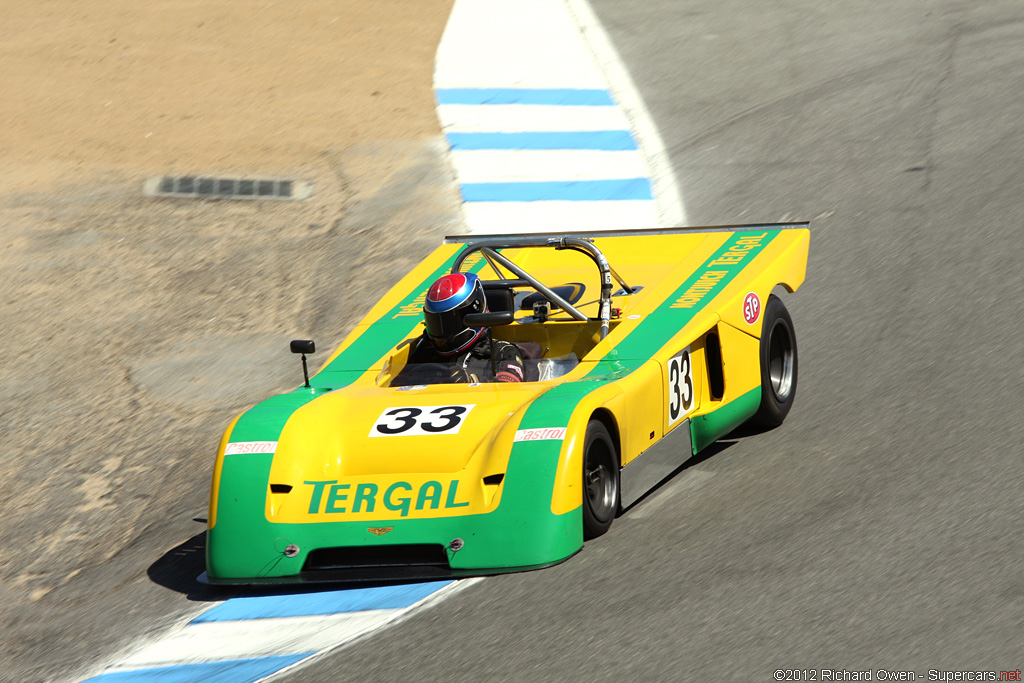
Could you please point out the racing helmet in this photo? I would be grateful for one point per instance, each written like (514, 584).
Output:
(448, 300)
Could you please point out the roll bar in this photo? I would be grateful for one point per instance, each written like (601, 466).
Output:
(489, 249)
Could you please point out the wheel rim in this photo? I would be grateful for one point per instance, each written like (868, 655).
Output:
(600, 480)
(781, 360)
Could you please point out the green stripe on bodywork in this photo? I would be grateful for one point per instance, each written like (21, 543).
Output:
(656, 329)
(555, 408)
(704, 429)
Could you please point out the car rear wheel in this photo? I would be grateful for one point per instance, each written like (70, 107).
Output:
(600, 480)
(778, 365)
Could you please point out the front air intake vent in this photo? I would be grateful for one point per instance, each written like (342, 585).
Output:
(420, 554)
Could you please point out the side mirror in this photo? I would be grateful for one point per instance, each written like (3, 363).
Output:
(489, 319)
(304, 346)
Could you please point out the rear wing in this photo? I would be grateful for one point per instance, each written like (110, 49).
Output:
(489, 247)
(594, 234)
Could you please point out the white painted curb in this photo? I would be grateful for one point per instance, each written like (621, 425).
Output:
(546, 129)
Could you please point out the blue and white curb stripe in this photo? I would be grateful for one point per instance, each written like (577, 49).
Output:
(540, 141)
(249, 639)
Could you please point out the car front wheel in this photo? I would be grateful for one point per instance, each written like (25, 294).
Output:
(600, 480)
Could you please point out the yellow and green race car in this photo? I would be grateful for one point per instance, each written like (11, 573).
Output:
(641, 348)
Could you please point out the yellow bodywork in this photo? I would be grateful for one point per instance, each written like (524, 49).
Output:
(327, 441)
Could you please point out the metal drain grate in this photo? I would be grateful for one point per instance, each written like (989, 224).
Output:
(203, 187)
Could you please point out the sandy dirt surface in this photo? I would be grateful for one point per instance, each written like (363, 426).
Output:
(133, 329)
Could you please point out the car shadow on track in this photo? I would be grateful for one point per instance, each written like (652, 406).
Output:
(179, 570)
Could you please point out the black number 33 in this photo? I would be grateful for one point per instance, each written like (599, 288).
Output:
(447, 421)
(406, 421)
(420, 420)
(680, 386)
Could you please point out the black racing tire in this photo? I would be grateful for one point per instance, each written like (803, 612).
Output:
(778, 365)
(601, 494)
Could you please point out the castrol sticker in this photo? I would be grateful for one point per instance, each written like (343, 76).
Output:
(541, 434)
(751, 308)
(240, 447)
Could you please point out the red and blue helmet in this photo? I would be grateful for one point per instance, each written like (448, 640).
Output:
(448, 300)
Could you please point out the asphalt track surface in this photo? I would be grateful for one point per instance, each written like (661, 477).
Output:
(881, 526)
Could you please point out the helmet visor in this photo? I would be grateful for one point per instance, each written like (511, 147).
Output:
(443, 326)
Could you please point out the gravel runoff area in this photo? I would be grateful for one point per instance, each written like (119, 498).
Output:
(135, 328)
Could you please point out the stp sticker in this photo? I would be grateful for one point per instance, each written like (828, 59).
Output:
(751, 308)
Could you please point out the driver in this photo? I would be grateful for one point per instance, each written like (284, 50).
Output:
(464, 352)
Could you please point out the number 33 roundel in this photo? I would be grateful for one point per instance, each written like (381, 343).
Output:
(420, 420)
(680, 386)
